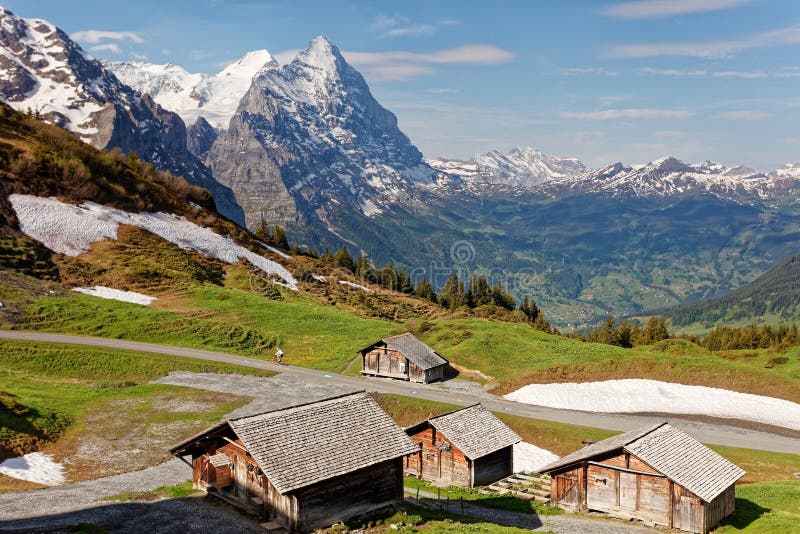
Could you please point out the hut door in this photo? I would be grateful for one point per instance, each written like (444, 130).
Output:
(690, 514)
(241, 479)
(627, 491)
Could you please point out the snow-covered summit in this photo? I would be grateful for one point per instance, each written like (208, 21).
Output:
(195, 95)
(319, 139)
(669, 176)
(521, 167)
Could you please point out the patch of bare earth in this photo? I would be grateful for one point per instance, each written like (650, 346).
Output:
(130, 434)
(15, 484)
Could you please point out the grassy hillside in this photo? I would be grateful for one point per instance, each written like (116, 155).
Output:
(773, 297)
(206, 303)
(67, 401)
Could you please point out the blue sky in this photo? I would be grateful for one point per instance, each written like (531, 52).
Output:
(602, 81)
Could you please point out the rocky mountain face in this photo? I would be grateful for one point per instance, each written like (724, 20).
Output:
(309, 139)
(44, 71)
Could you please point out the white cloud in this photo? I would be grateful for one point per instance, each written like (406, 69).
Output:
(399, 26)
(97, 36)
(417, 29)
(441, 91)
(788, 72)
(674, 72)
(576, 71)
(400, 65)
(699, 73)
(743, 115)
(739, 74)
(711, 49)
(630, 113)
(649, 9)
(107, 47)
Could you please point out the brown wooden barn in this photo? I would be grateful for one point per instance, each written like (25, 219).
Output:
(468, 447)
(404, 357)
(657, 474)
(307, 466)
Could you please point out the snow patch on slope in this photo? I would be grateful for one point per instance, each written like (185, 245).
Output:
(653, 396)
(116, 294)
(529, 458)
(355, 286)
(34, 467)
(72, 229)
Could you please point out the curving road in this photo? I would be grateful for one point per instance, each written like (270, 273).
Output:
(716, 433)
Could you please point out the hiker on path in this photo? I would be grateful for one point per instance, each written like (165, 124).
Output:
(279, 355)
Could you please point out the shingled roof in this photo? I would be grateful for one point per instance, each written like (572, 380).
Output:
(671, 452)
(475, 431)
(300, 446)
(412, 348)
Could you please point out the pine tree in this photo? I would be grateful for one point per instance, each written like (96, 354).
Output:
(502, 298)
(343, 259)
(279, 239)
(479, 293)
(453, 295)
(262, 231)
(424, 290)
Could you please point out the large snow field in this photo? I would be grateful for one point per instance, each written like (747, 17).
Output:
(71, 230)
(638, 395)
(529, 458)
(116, 294)
(34, 467)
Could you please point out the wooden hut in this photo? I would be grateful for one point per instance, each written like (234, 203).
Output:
(657, 474)
(468, 447)
(404, 357)
(307, 466)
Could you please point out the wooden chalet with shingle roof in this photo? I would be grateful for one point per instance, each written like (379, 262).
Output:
(404, 357)
(657, 474)
(307, 466)
(468, 447)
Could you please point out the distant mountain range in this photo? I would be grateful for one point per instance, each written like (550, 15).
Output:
(306, 145)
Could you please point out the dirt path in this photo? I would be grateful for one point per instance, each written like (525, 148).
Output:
(715, 433)
(70, 497)
(560, 524)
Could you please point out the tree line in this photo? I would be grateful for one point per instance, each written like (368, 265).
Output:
(474, 292)
(626, 334)
(749, 337)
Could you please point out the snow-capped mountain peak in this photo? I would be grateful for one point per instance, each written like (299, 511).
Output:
(248, 65)
(521, 167)
(316, 138)
(195, 95)
(321, 53)
(671, 177)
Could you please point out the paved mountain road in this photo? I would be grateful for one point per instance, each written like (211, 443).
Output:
(715, 432)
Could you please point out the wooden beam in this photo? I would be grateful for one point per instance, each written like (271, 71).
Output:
(634, 471)
(229, 440)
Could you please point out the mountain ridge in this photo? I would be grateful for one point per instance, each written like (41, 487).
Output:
(52, 76)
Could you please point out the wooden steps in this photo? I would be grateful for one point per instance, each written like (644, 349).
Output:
(529, 487)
